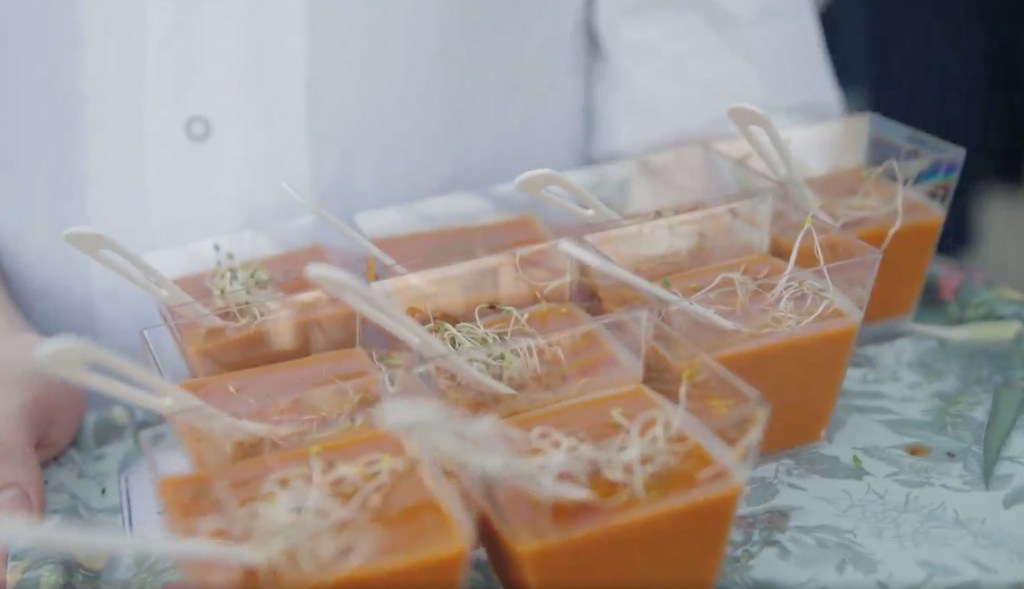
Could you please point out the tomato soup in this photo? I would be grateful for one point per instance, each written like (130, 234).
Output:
(430, 249)
(517, 278)
(321, 395)
(287, 328)
(269, 313)
(797, 359)
(348, 514)
(867, 206)
(672, 533)
(284, 272)
(546, 353)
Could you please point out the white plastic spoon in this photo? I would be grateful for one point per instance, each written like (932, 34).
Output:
(350, 289)
(345, 229)
(97, 369)
(59, 536)
(545, 185)
(128, 265)
(609, 268)
(776, 155)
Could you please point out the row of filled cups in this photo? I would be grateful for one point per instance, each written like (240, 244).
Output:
(581, 388)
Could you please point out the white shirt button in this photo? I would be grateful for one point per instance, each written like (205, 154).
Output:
(198, 128)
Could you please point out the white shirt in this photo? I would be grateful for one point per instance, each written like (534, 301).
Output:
(165, 121)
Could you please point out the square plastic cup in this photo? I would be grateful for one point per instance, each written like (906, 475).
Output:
(352, 512)
(285, 406)
(882, 181)
(509, 297)
(674, 180)
(665, 486)
(456, 227)
(788, 331)
(277, 330)
(681, 242)
(302, 403)
(605, 353)
(544, 366)
(230, 274)
(502, 284)
(280, 380)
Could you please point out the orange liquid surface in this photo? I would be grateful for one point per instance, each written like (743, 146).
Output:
(673, 537)
(285, 270)
(904, 265)
(430, 249)
(573, 355)
(320, 395)
(309, 323)
(798, 370)
(416, 542)
(514, 279)
(673, 244)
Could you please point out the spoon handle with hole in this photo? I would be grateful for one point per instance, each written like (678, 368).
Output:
(776, 156)
(113, 255)
(540, 184)
(94, 368)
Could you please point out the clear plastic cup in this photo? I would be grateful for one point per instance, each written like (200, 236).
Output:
(787, 330)
(665, 485)
(253, 413)
(555, 353)
(686, 241)
(453, 228)
(285, 406)
(674, 180)
(289, 402)
(497, 284)
(277, 330)
(357, 511)
(882, 181)
(232, 273)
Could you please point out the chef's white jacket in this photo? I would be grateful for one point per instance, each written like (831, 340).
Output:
(164, 121)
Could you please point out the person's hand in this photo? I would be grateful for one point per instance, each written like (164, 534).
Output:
(38, 418)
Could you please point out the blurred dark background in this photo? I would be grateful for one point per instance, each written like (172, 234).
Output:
(953, 68)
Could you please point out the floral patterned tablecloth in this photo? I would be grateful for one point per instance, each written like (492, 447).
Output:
(893, 498)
